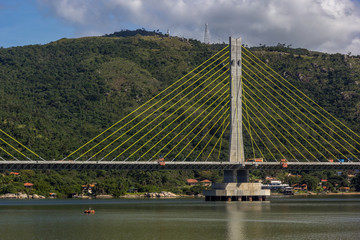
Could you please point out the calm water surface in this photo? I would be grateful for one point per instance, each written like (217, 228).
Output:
(290, 218)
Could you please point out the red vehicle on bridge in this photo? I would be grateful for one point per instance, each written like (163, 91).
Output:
(161, 161)
(284, 163)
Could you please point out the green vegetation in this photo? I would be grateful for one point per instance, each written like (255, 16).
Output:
(56, 97)
(65, 183)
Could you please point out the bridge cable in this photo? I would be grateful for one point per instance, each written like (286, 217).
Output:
(21, 144)
(217, 141)
(247, 129)
(198, 122)
(278, 131)
(200, 129)
(174, 128)
(226, 110)
(261, 153)
(271, 153)
(223, 131)
(247, 116)
(208, 133)
(164, 113)
(9, 154)
(310, 105)
(153, 111)
(307, 98)
(148, 115)
(173, 113)
(292, 113)
(299, 110)
(198, 115)
(271, 134)
(280, 125)
(287, 117)
(296, 109)
(286, 113)
(145, 103)
(15, 148)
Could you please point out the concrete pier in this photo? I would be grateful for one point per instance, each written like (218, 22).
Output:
(236, 186)
(236, 192)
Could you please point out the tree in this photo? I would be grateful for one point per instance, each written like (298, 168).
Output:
(355, 182)
(311, 181)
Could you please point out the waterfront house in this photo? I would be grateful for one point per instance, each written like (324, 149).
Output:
(344, 189)
(292, 175)
(206, 182)
(288, 191)
(192, 182)
(88, 188)
(300, 187)
(52, 195)
(28, 185)
(275, 185)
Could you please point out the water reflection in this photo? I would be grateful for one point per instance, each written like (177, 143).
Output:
(241, 223)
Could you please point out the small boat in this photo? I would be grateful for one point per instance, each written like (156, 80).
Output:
(89, 211)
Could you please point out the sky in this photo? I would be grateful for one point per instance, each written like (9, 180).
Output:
(331, 26)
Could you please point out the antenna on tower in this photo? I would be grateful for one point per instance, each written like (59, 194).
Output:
(206, 35)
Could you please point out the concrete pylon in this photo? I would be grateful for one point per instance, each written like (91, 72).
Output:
(236, 153)
(236, 186)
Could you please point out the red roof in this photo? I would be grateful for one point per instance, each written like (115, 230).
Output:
(324, 180)
(192, 181)
(14, 173)
(206, 181)
(28, 184)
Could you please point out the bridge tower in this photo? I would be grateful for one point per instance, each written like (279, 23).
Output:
(236, 153)
(236, 186)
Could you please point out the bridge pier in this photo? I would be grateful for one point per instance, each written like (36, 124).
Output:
(239, 176)
(236, 186)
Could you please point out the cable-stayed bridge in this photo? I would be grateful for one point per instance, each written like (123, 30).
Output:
(231, 112)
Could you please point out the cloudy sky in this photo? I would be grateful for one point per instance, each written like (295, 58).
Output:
(322, 25)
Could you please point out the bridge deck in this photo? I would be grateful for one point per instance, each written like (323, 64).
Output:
(93, 165)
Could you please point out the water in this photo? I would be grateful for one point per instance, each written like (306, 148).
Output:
(290, 218)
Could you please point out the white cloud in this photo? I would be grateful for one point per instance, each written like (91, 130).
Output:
(324, 25)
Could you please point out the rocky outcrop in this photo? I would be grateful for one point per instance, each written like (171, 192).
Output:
(161, 195)
(104, 196)
(20, 196)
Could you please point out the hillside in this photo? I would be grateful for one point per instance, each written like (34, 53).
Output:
(56, 97)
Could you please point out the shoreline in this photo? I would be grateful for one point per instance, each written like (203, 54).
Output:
(319, 194)
(163, 195)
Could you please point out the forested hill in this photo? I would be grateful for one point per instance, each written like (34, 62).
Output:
(57, 96)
